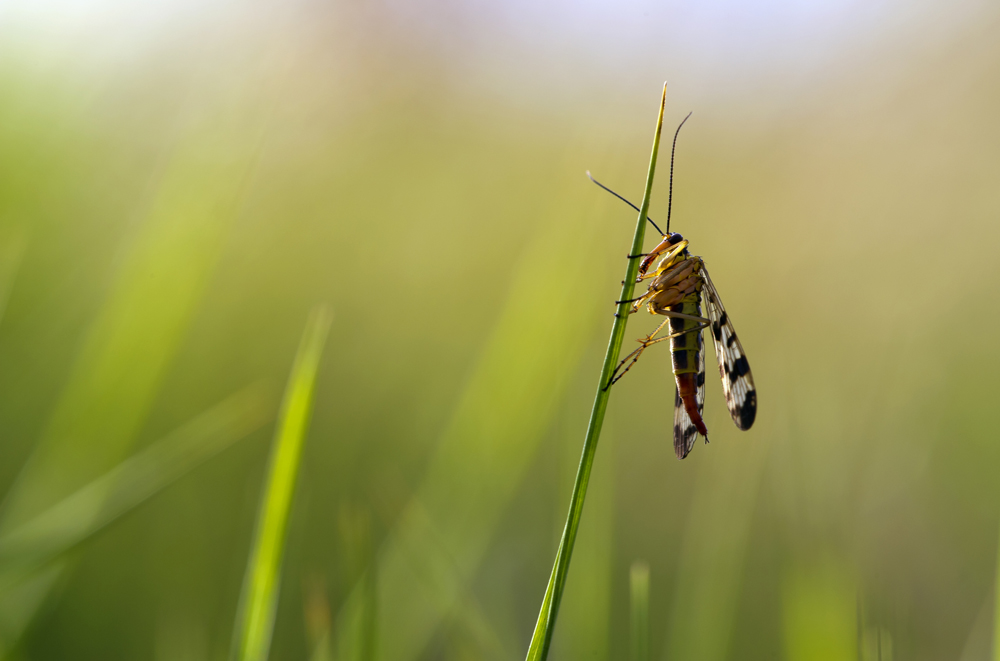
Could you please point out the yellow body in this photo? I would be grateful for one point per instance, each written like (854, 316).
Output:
(674, 292)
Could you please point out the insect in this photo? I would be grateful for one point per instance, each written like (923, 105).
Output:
(678, 286)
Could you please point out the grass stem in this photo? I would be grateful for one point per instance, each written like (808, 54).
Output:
(255, 617)
(639, 612)
(541, 639)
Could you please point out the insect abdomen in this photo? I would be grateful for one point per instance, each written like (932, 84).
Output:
(684, 348)
(684, 354)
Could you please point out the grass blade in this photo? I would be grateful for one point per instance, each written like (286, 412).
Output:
(255, 616)
(81, 515)
(318, 621)
(542, 637)
(588, 607)
(639, 598)
(359, 560)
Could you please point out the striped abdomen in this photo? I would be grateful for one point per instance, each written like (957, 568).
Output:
(684, 355)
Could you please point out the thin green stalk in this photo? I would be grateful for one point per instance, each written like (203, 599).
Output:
(542, 637)
(639, 615)
(255, 618)
(360, 559)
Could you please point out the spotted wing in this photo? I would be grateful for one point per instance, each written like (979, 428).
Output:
(685, 433)
(737, 381)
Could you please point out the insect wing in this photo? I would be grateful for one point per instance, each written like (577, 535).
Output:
(685, 433)
(737, 381)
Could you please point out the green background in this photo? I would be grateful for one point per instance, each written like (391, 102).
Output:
(180, 183)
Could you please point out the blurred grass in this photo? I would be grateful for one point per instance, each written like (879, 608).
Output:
(639, 611)
(12, 249)
(119, 368)
(318, 621)
(440, 537)
(85, 512)
(261, 584)
(358, 556)
(131, 341)
(33, 555)
(712, 559)
(820, 612)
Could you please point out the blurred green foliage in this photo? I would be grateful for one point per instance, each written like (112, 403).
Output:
(262, 581)
(180, 185)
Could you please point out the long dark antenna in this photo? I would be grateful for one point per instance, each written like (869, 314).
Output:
(623, 200)
(670, 195)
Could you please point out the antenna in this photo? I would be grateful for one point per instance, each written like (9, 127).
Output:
(624, 200)
(670, 195)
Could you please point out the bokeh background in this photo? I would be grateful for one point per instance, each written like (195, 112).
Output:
(181, 182)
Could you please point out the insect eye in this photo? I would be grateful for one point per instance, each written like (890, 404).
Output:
(675, 238)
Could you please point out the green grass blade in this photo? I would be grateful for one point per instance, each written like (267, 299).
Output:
(319, 625)
(79, 516)
(255, 617)
(587, 611)
(358, 554)
(542, 637)
(639, 615)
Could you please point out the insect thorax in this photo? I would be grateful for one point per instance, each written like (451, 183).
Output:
(671, 260)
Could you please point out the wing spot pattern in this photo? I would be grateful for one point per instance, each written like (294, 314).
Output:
(737, 381)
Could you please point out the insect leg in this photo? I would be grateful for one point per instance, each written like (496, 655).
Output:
(689, 330)
(616, 376)
(702, 323)
(638, 301)
(648, 341)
